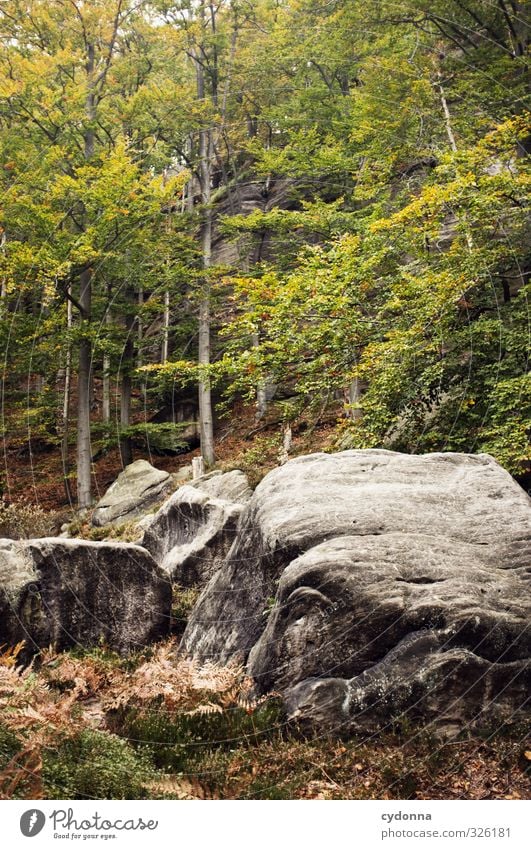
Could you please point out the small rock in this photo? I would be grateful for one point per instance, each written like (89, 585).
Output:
(184, 474)
(135, 489)
(192, 533)
(228, 486)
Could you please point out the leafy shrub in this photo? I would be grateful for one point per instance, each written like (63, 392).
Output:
(180, 741)
(257, 460)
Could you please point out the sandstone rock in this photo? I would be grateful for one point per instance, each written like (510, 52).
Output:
(134, 490)
(193, 531)
(228, 486)
(60, 592)
(371, 585)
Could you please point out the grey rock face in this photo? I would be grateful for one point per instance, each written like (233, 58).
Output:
(369, 585)
(65, 593)
(134, 490)
(193, 531)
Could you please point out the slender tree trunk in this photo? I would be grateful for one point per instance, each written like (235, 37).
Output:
(261, 394)
(65, 430)
(261, 401)
(189, 191)
(126, 451)
(3, 282)
(206, 422)
(126, 383)
(84, 459)
(451, 139)
(166, 329)
(140, 338)
(447, 116)
(355, 394)
(283, 456)
(106, 391)
(205, 399)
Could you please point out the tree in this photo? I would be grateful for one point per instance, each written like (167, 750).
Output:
(68, 92)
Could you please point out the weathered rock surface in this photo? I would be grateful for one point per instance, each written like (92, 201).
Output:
(228, 486)
(135, 489)
(65, 593)
(193, 531)
(400, 586)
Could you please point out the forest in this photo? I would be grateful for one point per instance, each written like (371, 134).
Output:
(242, 231)
(322, 203)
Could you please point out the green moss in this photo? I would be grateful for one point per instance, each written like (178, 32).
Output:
(96, 765)
(183, 602)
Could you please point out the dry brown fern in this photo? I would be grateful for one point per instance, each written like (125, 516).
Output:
(66, 694)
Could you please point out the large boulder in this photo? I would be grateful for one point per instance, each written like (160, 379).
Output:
(192, 533)
(61, 592)
(369, 585)
(135, 489)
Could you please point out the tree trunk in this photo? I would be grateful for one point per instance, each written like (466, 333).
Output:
(84, 460)
(355, 393)
(451, 139)
(126, 450)
(106, 391)
(166, 329)
(140, 339)
(261, 393)
(3, 282)
(65, 460)
(198, 468)
(206, 422)
(283, 456)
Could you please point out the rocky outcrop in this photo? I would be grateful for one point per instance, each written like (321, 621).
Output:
(368, 586)
(193, 531)
(66, 593)
(135, 489)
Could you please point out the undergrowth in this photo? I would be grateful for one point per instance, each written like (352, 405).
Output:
(22, 520)
(92, 724)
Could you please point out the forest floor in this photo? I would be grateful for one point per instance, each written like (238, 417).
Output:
(93, 725)
(32, 472)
